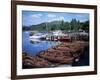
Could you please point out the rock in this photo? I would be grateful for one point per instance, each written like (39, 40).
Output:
(66, 53)
(37, 62)
(58, 57)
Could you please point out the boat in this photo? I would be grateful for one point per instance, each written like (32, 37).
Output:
(64, 39)
(38, 36)
(60, 36)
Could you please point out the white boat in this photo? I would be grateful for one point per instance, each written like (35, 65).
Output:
(38, 36)
(57, 32)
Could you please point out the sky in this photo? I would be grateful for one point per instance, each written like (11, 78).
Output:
(36, 17)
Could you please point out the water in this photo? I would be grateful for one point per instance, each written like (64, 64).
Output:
(34, 48)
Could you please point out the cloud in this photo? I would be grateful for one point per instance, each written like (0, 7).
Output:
(82, 15)
(56, 19)
(51, 15)
(32, 19)
(61, 18)
(36, 15)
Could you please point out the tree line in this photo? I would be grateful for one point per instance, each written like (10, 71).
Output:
(73, 25)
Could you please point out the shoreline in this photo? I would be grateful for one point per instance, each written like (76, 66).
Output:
(63, 54)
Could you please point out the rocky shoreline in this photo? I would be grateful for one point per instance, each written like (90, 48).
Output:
(64, 54)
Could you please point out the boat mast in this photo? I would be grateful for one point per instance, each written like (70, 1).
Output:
(46, 27)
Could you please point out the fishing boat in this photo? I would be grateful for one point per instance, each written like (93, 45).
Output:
(58, 36)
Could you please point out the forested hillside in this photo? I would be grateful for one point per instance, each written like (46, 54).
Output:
(73, 25)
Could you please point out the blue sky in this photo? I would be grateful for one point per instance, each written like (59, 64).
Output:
(37, 17)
